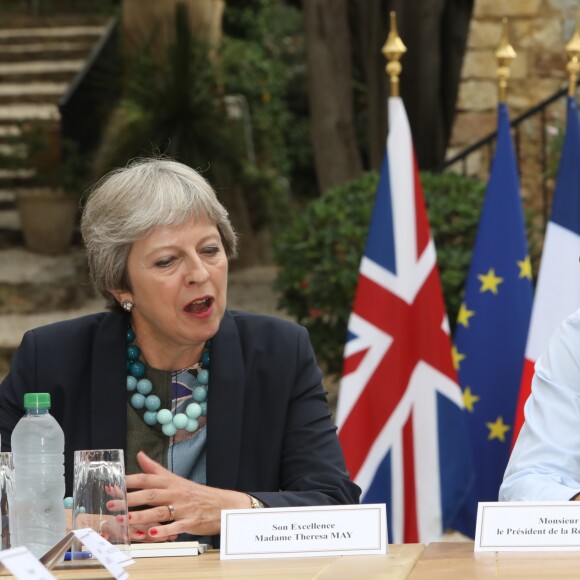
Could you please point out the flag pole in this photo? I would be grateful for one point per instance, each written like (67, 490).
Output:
(573, 66)
(504, 55)
(393, 50)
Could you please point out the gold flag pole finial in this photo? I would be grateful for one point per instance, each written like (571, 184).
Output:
(573, 66)
(504, 55)
(393, 51)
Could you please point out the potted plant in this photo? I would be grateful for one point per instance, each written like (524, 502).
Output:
(48, 206)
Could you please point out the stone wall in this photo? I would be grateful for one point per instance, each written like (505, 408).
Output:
(538, 31)
(144, 18)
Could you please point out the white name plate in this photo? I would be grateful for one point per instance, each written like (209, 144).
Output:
(527, 526)
(113, 559)
(24, 565)
(304, 532)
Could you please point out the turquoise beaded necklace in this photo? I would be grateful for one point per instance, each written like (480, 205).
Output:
(142, 397)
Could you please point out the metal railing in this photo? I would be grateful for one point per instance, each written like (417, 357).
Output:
(86, 105)
(541, 111)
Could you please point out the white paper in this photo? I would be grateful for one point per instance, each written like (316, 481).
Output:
(163, 549)
(303, 531)
(527, 526)
(106, 553)
(22, 564)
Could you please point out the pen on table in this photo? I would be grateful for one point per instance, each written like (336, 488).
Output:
(77, 556)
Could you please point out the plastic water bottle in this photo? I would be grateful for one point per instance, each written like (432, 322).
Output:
(38, 453)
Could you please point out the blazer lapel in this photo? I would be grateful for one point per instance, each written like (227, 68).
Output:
(225, 406)
(108, 384)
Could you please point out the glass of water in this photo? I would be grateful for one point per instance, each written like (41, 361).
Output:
(100, 496)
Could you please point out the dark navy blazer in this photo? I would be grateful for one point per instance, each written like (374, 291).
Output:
(270, 432)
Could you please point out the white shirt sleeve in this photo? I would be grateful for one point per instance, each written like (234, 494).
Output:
(545, 462)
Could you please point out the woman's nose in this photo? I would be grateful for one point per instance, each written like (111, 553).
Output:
(196, 272)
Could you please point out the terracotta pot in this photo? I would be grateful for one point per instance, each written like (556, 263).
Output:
(48, 218)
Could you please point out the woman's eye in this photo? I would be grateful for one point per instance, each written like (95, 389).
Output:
(210, 250)
(164, 262)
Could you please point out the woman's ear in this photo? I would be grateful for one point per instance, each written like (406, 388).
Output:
(121, 296)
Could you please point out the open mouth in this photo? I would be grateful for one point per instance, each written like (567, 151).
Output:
(200, 305)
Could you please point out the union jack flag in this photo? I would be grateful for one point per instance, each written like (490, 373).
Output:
(400, 410)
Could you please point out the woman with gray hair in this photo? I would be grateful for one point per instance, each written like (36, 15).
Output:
(215, 409)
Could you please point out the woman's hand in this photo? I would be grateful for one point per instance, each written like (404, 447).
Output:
(196, 508)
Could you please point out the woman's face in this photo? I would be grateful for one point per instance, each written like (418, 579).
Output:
(178, 278)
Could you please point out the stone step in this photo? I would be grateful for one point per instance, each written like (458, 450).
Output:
(6, 195)
(33, 92)
(33, 283)
(7, 203)
(56, 71)
(10, 231)
(46, 50)
(10, 237)
(10, 114)
(49, 33)
(9, 220)
(16, 174)
(50, 16)
(14, 151)
(10, 131)
(13, 178)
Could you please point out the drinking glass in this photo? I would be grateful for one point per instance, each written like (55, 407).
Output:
(6, 498)
(100, 496)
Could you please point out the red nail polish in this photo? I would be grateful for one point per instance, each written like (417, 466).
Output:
(139, 533)
(129, 517)
(153, 532)
(110, 505)
(120, 519)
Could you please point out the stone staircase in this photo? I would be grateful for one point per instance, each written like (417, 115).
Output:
(39, 57)
(37, 64)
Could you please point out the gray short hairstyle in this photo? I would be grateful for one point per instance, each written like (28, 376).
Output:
(127, 203)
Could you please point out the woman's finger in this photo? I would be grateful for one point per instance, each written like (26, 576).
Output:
(140, 533)
(149, 466)
(149, 497)
(114, 491)
(141, 480)
(150, 516)
(116, 505)
(164, 533)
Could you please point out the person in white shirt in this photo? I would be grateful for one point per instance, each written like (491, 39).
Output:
(545, 462)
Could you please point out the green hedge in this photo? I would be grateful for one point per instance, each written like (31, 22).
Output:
(319, 253)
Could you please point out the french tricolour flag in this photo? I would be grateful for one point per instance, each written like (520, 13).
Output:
(400, 409)
(558, 287)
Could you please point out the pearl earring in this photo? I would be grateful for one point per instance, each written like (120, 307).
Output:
(127, 306)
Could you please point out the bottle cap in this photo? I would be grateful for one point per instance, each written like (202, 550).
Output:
(37, 401)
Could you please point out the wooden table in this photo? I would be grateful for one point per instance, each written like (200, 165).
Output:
(396, 565)
(457, 560)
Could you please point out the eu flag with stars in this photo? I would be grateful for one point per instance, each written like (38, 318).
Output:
(492, 326)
